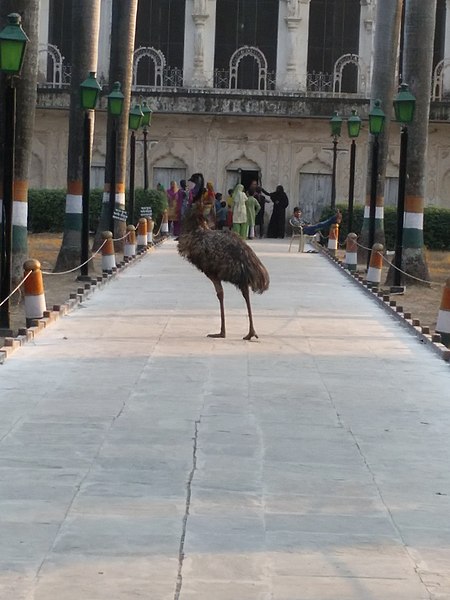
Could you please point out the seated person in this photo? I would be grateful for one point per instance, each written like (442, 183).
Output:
(297, 221)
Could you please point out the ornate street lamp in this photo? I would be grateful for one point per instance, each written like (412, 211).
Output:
(146, 122)
(89, 93)
(353, 129)
(404, 107)
(115, 107)
(376, 125)
(13, 41)
(336, 126)
(135, 118)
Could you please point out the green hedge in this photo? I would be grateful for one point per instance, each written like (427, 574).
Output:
(46, 208)
(436, 225)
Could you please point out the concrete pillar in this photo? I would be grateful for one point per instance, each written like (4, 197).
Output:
(44, 15)
(292, 51)
(104, 40)
(199, 42)
(366, 38)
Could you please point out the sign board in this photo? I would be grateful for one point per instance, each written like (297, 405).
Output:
(120, 215)
(146, 211)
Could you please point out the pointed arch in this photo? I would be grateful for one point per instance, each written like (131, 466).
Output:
(159, 61)
(57, 61)
(252, 52)
(362, 74)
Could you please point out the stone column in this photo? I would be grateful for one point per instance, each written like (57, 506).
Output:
(446, 69)
(366, 32)
(199, 40)
(292, 52)
(44, 15)
(104, 40)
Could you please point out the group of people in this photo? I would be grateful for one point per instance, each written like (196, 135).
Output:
(242, 210)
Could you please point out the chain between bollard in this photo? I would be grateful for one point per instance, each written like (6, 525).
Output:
(79, 266)
(391, 264)
(16, 288)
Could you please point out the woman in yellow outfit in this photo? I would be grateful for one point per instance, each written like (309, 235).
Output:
(240, 211)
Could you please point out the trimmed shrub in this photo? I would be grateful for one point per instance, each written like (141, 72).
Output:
(436, 225)
(46, 208)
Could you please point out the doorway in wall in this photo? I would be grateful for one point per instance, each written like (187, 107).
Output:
(247, 177)
(314, 195)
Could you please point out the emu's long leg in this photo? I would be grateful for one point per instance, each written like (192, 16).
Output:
(251, 331)
(219, 291)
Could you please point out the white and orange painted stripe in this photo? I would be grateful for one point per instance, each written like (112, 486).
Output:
(443, 320)
(142, 234)
(150, 228)
(333, 237)
(129, 249)
(119, 196)
(376, 264)
(34, 296)
(351, 252)
(165, 223)
(108, 253)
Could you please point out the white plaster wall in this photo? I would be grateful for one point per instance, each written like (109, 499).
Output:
(44, 8)
(104, 40)
(281, 148)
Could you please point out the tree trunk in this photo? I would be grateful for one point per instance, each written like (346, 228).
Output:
(123, 29)
(85, 30)
(387, 35)
(26, 105)
(420, 22)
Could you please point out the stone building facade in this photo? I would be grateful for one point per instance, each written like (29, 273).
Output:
(242, 89)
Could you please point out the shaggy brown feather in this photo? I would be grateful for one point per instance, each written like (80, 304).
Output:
(221, 255)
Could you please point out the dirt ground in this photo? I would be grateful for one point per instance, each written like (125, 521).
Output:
(423, 302)
(420, 300)
(45, 247)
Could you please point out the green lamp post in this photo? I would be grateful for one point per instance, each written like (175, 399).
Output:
(376, 125)
(13, 42)
(353, 129)
(135, 118)
(89, 92)
(146, 122)
(404, 107)
(336, 126)
(115, 107)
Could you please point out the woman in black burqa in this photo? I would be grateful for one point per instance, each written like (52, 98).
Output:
(277, 223)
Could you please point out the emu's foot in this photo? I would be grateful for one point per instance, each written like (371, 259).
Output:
(216, 335)
(251, 334)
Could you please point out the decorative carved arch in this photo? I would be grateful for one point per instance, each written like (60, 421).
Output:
(57, 63)
(439, 73)
(339, 66)
(242, 161)
(315, 166)
(158, 59)
(236, 58)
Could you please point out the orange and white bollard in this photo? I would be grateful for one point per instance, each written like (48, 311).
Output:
(333, 237)
(129, 248)
(376, 264)
(165, 223)
(351, 252)
(150, 227)
(142, 234)
(443, 320)
(108, 254)
(33, 291)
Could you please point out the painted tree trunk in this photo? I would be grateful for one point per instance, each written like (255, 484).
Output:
(123, 29)
(85, 31)
(420, 22)
(387, 35)
(26, 106)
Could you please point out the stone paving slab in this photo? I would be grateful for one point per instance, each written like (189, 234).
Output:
(139, 458)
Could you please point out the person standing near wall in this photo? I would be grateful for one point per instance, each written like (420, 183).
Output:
(277, 223)
(240, 211)
(253, 208)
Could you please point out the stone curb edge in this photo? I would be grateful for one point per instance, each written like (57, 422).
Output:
(431, 341)
(86, 289)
